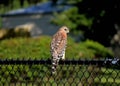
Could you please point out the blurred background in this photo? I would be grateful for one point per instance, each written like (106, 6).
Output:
(26, 27)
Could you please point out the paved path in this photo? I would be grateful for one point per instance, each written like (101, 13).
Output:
(42, 23)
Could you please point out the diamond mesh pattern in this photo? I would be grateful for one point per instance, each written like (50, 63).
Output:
(69, 73)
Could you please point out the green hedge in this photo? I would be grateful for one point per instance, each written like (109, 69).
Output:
(40, 48)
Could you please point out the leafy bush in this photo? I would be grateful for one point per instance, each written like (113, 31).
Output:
(25, 48)
(88, 49)
(99, 49)
(72, 19)
(40, 48)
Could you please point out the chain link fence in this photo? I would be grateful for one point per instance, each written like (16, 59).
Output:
(69, 73)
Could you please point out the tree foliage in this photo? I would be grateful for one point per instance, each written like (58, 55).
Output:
(93, 17)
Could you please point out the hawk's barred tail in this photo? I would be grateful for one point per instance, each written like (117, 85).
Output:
(54, 65)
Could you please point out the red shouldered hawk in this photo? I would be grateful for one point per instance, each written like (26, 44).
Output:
(58, 46)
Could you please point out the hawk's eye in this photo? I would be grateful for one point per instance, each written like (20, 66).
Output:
(65, 29)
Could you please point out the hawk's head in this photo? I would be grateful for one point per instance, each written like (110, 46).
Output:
(65, 29)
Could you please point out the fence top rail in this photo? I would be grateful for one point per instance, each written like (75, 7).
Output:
(114, 61)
